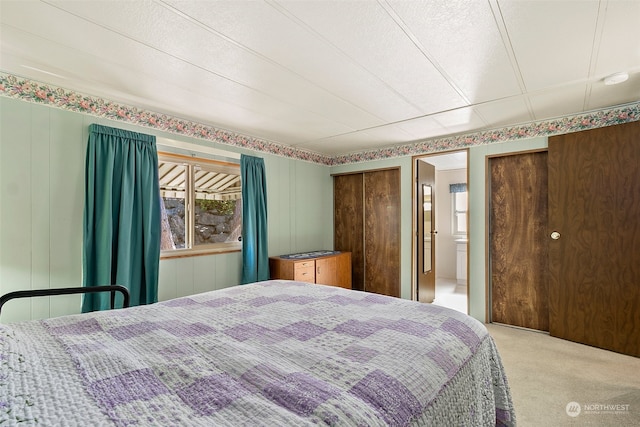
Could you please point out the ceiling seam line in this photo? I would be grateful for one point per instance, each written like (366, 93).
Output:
(197, 66)
(498, 18)
(289, 15)
(595, 50)
(261, 56)
(477, 104)
(405, 29)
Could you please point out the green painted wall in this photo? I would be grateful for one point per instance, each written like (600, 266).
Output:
(42, 154)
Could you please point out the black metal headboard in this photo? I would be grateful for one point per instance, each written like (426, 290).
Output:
(68, 291)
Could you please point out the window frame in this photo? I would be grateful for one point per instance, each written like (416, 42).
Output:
(192, 164)
(454, 215)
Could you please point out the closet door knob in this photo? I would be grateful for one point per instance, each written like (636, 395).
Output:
(555, 235)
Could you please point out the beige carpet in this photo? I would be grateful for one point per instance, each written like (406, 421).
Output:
(561, 383)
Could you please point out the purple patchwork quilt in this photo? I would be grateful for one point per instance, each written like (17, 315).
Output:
(275, 353)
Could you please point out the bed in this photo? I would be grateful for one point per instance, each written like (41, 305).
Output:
(273, 353)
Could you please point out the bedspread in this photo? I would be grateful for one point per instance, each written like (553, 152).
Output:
(275, 353)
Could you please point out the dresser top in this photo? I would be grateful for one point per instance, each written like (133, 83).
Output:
(307, 255)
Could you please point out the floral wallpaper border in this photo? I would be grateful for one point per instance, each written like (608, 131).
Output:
(31, 91)
(596, 119)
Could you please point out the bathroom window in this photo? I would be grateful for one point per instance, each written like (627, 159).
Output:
(459, 201)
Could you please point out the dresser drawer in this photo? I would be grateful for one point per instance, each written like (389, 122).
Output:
(305, 274)
(304, 264)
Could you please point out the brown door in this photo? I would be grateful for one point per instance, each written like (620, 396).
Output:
(382, 232)
(367, 224)
(594, 213)
(518, 242)
(426, 242)
(348, 224)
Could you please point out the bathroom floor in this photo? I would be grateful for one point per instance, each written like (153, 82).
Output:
(451, 295)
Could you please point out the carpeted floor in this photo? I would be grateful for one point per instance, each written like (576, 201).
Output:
(561, 383)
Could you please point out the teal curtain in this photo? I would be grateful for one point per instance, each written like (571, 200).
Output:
(121, 216)
(255, 259)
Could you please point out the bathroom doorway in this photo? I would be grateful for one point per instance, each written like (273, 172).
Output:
(450, 232)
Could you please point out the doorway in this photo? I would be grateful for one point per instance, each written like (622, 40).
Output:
(448, 236)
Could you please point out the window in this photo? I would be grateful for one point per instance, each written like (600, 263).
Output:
(459, 209)
(201, 205)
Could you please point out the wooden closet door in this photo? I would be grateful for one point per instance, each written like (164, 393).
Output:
(382, 232)
(518, 242)
(594, 206)
(348, 217)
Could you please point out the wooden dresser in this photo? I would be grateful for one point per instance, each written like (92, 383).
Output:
(322, 267)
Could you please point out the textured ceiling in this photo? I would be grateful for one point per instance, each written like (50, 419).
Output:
(334, 77)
